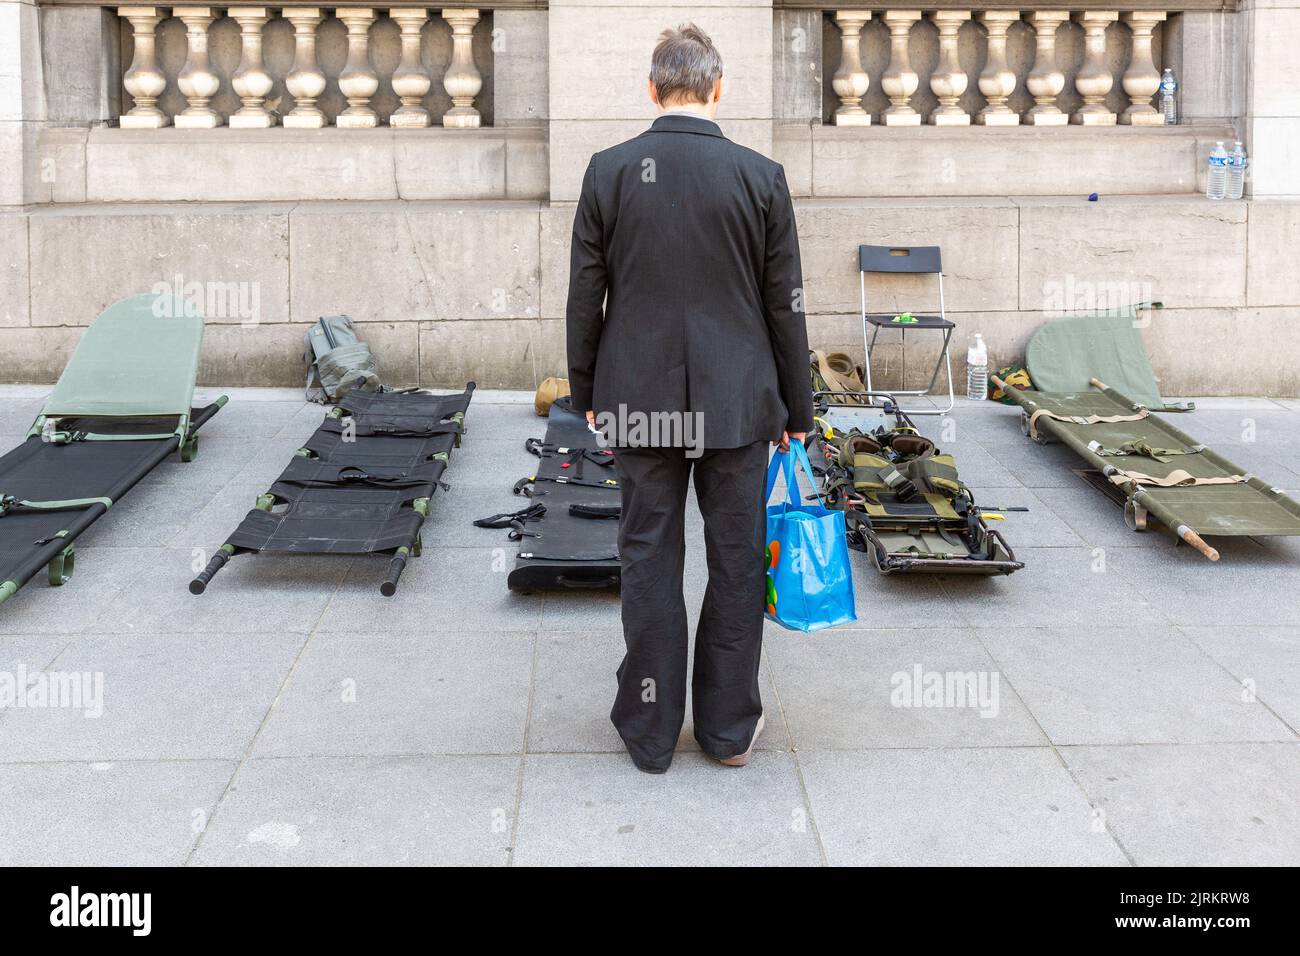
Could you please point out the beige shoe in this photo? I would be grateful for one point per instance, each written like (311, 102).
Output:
(741, 760)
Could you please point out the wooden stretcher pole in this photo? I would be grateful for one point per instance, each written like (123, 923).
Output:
(1197, 542)
(1171, 520)
(1097, 383)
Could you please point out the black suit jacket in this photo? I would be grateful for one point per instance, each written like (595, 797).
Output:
(685, 289)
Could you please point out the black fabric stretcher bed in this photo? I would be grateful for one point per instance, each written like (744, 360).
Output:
(568, 537)
(360, 485)
(122, 405)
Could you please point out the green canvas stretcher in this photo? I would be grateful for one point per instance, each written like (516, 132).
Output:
(1159, 471)
(121, 406)
(1065, 355)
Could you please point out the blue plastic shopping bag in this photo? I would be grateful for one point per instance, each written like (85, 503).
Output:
(809, 581)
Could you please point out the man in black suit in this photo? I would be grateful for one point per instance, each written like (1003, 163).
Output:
(687, 342)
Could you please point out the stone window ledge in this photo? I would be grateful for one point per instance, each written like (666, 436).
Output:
(874, 161)
(291, 165)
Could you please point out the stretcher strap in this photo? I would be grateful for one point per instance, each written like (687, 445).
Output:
(8, 504)
(1145, 449)
(1082, 419)
(1175, 479)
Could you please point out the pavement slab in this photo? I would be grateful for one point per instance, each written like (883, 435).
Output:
(1119, 701)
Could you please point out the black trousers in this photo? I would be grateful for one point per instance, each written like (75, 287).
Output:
(651, 702)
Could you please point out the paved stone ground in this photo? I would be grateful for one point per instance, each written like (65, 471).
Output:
(293, 715)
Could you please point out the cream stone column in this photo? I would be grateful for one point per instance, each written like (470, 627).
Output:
(251, 81)
(851, 81)
(1094, 80)
(462, 81)
(1142, 79)
(358, 81)
(197, 80)
(144, 80)
(948, 82)
(1045, 81)
(899, 81)
(411, 81)
(997, 80)
(306, 81)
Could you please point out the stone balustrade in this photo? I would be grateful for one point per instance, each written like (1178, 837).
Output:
(250, 67)
(995, 67)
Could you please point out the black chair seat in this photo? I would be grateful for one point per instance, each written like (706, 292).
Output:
(922, 322)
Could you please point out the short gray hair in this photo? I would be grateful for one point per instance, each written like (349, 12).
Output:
(685, 65)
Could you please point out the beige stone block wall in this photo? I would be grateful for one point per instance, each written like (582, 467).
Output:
(415, 261)
(980, 161)
(83, 259)
(494, 353)
(451, 291)
(978, 240)
(599, 58)
(1273, 254)
(1187, 251)
(572, 143)
(520, 79)
(15, 275)
(290, 165)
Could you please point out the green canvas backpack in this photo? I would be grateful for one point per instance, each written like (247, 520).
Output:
(337, 361)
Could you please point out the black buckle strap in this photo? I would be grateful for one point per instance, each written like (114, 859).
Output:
(515, 521)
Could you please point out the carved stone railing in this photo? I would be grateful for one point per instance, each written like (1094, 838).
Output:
(1113, 79)
(292, 88)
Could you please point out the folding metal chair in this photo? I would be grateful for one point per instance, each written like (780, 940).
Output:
(913, 260)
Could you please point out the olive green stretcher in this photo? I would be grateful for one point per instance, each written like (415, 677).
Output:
(1158, 470)
(122, 405)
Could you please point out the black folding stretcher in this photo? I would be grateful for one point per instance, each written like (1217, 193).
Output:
(360, 485)
(568, 537)
(121, 406)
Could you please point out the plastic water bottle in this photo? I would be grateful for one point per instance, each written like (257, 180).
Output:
(1216, 180)
(1237, 171)
(1168, 104)
(977, 370)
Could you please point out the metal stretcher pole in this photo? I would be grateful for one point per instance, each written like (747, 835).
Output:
(200, 583)
(395, 569)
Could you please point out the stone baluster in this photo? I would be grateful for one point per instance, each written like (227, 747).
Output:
(1045, 80)
(197, 80)
(997, 81)
(851, 82)
(144, 80)
(462, 81)
(251, 81)
(1142, 79)
(899, 80)
(1094, 80)
(306, 81)
(411, 81)
(358, 81)
(948, 81)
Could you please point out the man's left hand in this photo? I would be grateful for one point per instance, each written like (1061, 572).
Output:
(784, 444)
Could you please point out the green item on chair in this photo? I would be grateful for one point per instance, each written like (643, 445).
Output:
(905, 318)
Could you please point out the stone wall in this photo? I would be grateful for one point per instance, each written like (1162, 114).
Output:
(448, 291)
(450, 247)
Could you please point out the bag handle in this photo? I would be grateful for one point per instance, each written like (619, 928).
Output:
(785, 463)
